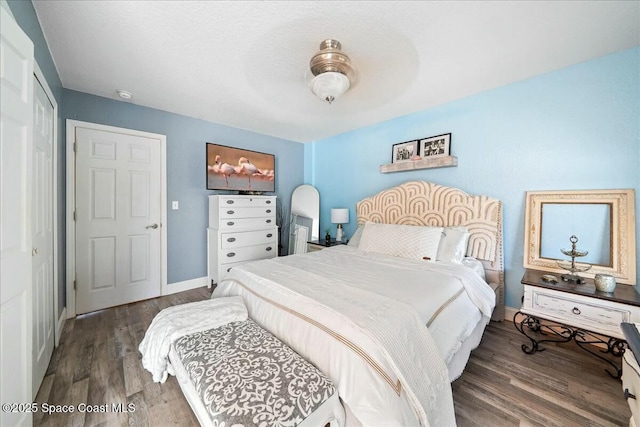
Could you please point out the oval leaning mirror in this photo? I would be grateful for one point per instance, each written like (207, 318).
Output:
(305, 218)
(602, 220)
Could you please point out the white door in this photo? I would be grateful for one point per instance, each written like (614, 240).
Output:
(42, 229)
(118, 212)
(16, 145)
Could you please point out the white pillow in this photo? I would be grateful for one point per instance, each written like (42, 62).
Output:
(453, 245)
(355, 239)
(405, 241)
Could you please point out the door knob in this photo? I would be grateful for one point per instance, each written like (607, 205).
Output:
(154, 226)
(34, 251)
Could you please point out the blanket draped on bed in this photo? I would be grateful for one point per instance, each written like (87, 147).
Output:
(393, 336)
(180, 320)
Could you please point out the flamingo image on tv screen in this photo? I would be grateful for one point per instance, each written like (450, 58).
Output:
(230, 168)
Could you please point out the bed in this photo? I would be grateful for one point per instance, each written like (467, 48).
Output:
(390, 332)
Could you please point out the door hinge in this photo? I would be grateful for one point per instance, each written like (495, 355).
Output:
(75, 147)
(74, 215)
(74, 285)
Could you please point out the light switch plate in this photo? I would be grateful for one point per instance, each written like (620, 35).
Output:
(175, 205)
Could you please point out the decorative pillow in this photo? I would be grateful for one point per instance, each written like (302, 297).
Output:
(453, 245)
(355, 239)
(405, 241)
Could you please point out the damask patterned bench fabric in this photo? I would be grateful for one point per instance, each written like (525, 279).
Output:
(246, 376)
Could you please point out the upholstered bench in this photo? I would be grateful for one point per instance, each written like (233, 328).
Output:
(240, 375)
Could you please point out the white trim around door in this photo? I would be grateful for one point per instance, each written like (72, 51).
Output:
(71, 126)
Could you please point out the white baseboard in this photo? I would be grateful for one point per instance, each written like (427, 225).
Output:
(60, 326)
(186, 285)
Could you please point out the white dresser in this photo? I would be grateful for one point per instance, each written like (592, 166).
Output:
(241, 229)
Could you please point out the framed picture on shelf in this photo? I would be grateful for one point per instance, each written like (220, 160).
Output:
(404, 151)
(435, 146)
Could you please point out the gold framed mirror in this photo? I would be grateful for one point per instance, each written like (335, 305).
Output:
(603, 221)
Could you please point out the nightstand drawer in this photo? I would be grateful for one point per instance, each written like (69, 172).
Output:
(587, 313)
(578, 311)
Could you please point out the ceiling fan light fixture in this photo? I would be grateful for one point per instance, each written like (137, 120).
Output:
(330, 85)
(332, 71)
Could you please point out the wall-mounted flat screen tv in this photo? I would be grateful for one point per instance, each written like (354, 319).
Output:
(230, 168)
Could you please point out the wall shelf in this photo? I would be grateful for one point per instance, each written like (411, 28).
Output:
(438, 162)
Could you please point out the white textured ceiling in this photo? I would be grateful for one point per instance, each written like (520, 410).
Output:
(244, 63)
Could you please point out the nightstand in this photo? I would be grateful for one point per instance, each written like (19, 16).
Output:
(562, 312)
(317, 245)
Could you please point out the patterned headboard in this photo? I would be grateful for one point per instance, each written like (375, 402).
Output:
(426, 203)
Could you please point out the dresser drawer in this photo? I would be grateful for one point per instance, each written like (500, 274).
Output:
(235, 212)
(248, 238)
(246, 201)
(631, 382)
(245, 223)
(248, 253)
(225, 207)
(593, 314)
(225, 268)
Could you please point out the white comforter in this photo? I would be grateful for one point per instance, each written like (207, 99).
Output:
(180, 320)
(357, 316)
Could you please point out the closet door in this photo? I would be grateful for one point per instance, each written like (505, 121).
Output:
(43, 316)
(16, 147)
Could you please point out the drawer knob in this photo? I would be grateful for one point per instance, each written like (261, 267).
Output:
(268, 221)
(230, 212)
(229, 269)
(230, 202)
(231, 254)
(230, 223)
(268, 210)
(628, 395)
(576, 310)
(269, 248)
(231, 239)
(268, 202)
(269, 235)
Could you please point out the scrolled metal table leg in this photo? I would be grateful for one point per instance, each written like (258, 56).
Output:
(582, 337)
(532, 324)
(615, 346)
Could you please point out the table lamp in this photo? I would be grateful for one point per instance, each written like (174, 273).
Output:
(339, 216)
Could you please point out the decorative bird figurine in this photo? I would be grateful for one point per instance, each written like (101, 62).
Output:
(248, 168)
(223, 168)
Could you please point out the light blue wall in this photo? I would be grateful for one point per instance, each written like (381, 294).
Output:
(27, 19)
(576, 128)
(186, 168)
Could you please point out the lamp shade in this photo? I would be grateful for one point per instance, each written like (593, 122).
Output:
(339, 216)
(329, 86)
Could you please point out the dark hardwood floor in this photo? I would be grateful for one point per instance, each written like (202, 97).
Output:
(98, 363)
